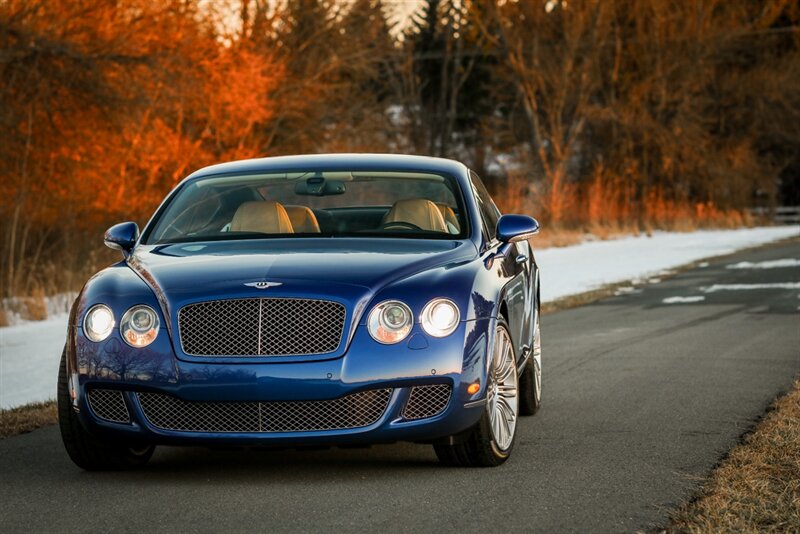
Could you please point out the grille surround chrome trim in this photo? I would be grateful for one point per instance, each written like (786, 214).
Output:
(109, 405)
(427, 401)
(356, 410)
(267, 327)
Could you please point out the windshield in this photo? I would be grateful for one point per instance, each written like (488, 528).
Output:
(313, 204)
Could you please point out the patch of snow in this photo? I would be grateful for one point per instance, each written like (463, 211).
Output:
(703, 264)
(770, 264)
(683, 300)
(29, 357)
(747, 287)
(576, 269)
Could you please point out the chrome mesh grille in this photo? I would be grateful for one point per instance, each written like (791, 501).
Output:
(427, 401)
(261, 327)
(109, 404)
(351, 411)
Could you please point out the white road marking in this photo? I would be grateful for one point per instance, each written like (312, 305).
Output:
(745, 287)
(771, 264)
(683, 300)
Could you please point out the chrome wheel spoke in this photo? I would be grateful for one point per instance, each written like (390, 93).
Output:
(507, 391)
(507, 426)
(506, 372)
(496, 423)
(505, 409)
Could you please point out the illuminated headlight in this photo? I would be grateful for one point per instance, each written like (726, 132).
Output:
(390, 322)
(440, 317)
(139, 326)
(98, 322)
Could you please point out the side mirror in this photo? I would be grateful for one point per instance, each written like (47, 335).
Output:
(122, 237)
(513, 228)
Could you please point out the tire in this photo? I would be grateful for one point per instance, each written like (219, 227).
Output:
(86, 451)
(530, 383)
(487, 444)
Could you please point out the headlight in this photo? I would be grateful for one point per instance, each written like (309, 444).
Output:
(390, 322)
(139, 326)
(440, 317)
(98, 322)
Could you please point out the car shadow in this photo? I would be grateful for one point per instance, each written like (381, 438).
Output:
(280, 465)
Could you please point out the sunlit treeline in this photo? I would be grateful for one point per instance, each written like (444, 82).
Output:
(588, 113)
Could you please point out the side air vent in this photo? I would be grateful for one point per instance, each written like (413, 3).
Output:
(109, 404)
(427, 401)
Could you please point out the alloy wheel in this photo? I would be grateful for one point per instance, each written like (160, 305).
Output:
(503, 389)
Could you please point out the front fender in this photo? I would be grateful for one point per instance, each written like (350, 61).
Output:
(119, 288)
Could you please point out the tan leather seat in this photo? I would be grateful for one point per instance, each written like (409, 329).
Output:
(265, 216)
(417, 211)
(303, 219)
(449, 216)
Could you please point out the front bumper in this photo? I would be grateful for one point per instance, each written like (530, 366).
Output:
(455, 362)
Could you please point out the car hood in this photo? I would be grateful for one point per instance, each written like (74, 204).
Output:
(347, 270)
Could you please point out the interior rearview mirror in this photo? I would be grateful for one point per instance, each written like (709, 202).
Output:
(319, 187)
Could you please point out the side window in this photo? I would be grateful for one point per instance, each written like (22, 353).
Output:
(489, 211)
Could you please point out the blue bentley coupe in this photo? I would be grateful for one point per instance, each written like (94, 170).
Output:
(309, 300)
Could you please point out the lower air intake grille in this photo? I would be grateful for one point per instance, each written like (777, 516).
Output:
(427, 401)
(109, 404)
(352, 411)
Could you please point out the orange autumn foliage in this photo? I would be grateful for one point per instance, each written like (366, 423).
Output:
(106, 106)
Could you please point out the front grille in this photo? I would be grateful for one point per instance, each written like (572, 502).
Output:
(351, 411)
(261, 327)
(427, 401)
(109, 404)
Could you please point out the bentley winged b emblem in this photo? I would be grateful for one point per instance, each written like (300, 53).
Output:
(263, 284)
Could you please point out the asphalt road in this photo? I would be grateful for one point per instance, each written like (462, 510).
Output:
(641, 399)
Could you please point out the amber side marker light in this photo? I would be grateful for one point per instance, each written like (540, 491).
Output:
(473, 388)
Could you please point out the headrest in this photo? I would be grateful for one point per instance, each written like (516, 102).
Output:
(449, 217)
(419, 212)
(265, 216)
(303, 219)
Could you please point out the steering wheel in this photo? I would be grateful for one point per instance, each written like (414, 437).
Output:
(399, 224)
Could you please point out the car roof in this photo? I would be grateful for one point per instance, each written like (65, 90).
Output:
(337, 162)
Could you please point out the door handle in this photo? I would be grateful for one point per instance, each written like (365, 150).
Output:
(522, 258)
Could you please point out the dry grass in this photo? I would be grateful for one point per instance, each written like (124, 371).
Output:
(609, 205)
(555, 237)
(27, 418)
(30, 308)
(757, 487)
(35, 306)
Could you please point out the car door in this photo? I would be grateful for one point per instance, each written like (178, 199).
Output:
(514, 266)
